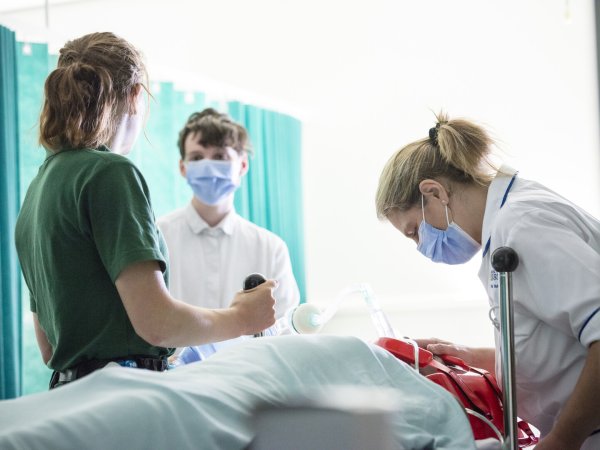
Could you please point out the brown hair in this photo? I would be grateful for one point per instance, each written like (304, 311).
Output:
(457, 150)
(92, 86)
(215, 129)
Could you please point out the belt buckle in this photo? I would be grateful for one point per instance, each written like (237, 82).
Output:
(127, 363)
(67, 376)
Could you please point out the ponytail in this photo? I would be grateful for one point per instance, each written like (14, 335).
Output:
(78, 109)
(457, 150)
(86, 95)
(463, 145)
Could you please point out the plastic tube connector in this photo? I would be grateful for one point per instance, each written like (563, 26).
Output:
(303, 319)
(306, 319)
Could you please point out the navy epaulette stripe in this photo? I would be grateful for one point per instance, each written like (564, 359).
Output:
(487, 244)
(487, 247)
(508, 190)
(586, 322)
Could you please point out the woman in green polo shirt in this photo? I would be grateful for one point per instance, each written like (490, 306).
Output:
(93, 259)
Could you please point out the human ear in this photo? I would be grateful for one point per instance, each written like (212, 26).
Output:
(244, 164)
(136, 89)
(434, 189)
(182, 168)
(135, 99)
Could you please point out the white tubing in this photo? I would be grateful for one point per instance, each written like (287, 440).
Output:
(488, 422)
(332, 309)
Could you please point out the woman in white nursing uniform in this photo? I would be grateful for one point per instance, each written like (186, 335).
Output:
(443, 193)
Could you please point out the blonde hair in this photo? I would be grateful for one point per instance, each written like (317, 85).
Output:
(85, 96)
(457, 150)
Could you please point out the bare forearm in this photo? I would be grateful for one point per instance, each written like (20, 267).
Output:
(183, 325)
(484, 358)
(164, 321)
(481, 357)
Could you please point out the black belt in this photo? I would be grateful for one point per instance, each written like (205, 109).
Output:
(86, 367)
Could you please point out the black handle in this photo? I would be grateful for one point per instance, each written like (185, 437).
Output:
(505, 259)
(253, 280)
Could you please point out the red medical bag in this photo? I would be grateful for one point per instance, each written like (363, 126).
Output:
(475, 389)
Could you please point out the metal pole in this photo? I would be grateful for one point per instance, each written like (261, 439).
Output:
(505, 261)
(597, 30)
(47, 14)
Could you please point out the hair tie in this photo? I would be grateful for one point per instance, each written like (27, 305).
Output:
(433, 134)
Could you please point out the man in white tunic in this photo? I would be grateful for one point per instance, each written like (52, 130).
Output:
(211, 248)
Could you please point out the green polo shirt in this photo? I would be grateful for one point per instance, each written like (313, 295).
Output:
(86, 217)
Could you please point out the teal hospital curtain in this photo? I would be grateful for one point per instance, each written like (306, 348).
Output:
(33, 66)
(156, 153)
(10, 319)
(271, 192)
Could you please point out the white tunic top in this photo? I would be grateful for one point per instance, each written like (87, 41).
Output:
(556, 290)
(208, 265)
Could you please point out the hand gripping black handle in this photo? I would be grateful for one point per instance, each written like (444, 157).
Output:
(253, 280)
(505, 259)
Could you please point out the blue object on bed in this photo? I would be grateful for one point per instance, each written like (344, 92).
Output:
(209, 405)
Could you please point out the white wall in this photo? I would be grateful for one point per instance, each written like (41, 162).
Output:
(364, 76)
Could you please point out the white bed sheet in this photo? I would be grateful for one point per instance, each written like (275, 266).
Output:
(209, 404)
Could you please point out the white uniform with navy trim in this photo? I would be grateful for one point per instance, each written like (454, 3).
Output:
(556, 291)
(208, 265)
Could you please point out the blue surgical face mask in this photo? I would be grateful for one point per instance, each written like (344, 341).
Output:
(212, 181)
(450, 246)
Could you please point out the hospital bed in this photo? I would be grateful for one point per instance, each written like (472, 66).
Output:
(218, 403)
(212, 404)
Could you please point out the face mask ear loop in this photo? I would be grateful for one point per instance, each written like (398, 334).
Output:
(447, 219)
(423, 207)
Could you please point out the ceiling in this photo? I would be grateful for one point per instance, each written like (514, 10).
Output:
(7, 6)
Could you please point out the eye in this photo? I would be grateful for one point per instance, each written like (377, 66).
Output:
(195, 158)
(219, 157)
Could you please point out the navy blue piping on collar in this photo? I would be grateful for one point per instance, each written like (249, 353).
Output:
(487, 244)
